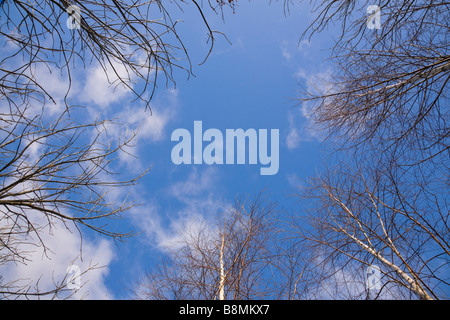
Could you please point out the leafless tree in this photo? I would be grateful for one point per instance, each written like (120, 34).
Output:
(54, 171)
(141, 37)
(234, 258)
(362, 216)
(389, 87)
(385, 109)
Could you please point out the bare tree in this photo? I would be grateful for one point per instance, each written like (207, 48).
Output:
(385, 109)
(361, 216)
(54, 171)
(389, 85)
(141, 37)
(235, 258)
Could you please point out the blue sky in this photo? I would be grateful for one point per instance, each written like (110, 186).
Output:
(250, 83)
(250, 80)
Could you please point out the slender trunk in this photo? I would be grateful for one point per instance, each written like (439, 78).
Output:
(222, 271)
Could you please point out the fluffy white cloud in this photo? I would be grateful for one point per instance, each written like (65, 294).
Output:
(301, 126)
(199, 206)
(148, 126)
(102, 85)
(195, 184)
(45, 266)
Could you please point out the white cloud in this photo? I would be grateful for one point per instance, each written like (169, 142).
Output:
(293, 138)
(297, 129)
(47, 266)
(290, 49)
(301, 126)
(195, 184)
(319, 83)
(167, 230)
(301, 74)
(285, 52)
(150, 127)
(143, 126)
(103, 86)
(294, 181)
(56, 83)
(304, 44)
(199, 206)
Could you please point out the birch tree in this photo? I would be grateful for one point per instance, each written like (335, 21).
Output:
(385, 111)
(362, 217)
(233, 258)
